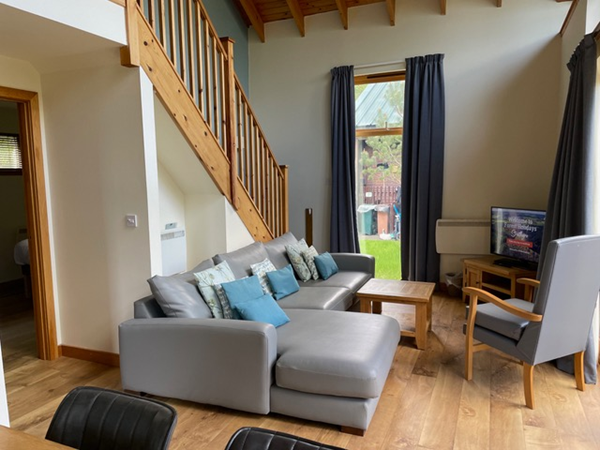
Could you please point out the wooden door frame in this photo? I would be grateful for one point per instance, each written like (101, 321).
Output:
(37, 219)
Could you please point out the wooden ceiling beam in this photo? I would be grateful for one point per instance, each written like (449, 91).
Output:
(297, 14)
(443, 7)
(342, 7)
(391, 9)
(255, 18)
(499, 3)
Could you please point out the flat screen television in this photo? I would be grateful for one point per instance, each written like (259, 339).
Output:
(516, 234)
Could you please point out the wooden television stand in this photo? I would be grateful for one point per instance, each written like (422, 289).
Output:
(499, 280)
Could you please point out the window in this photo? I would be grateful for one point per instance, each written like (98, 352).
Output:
(379, 105)
(10, 155)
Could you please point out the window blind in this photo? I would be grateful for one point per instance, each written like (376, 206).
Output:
(10, 153)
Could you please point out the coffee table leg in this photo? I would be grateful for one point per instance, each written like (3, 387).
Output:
(421, 326)
(429, 310)
(365, 305)
(377, 307)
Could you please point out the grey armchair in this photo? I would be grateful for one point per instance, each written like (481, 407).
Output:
(556, 324)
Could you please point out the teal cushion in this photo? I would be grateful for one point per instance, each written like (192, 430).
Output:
(326, 265)
(263, 309)
(283, 282)
(242, 290)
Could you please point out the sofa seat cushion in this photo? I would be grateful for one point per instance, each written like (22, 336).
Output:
(335, 298)
(346, 279)
(335, 353)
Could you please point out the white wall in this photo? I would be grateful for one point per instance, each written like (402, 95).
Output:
(189, 196)
(502, 84)
(172, 200)
(97, 173)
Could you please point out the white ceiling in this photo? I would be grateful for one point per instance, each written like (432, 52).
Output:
(51, 45)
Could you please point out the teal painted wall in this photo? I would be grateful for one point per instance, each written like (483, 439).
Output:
(227, 20)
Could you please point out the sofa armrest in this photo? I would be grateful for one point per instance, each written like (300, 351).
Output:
(215, 361)
(355, 262)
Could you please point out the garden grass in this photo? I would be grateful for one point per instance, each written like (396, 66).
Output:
(387, 257)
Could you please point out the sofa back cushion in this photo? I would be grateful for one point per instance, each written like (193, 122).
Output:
(240, 260)
(276, 249)
(178, 295)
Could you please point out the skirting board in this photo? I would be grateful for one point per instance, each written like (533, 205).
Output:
(106, 358)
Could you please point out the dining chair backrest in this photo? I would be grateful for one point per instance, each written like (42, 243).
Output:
(91, 418)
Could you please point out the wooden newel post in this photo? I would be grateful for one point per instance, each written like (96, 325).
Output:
(130, 55)
(285, 202)
(230, 119)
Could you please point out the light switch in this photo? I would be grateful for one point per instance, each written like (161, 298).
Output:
(131, 220)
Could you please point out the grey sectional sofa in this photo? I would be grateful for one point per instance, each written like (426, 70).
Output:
(327, 364)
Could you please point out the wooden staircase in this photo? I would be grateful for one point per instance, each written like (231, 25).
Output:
(192, 71)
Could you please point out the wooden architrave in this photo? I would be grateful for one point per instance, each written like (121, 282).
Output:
(37, 219)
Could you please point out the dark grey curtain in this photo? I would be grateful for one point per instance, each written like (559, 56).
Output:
(422, 166)
(344, 231)
(570, 203)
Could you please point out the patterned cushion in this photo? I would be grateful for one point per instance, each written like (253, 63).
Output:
(309, 259)
(209, 283)
(260, 270)
(295, 254)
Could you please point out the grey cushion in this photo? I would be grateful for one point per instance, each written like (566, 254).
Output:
(240, 260)
(333, 298)
(335, 352)
(495, 319)
(346, 279)
(276, 249)
(178, 295)
(147, 308)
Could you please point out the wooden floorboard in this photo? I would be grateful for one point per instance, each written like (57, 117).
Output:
(426, 403)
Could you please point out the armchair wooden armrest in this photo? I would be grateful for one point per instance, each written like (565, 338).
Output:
(530, 285)
(474, 295)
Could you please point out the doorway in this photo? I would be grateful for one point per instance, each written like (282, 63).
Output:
(30, 139)
(379, 101)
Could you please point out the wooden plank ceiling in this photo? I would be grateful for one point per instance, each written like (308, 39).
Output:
(257, 13)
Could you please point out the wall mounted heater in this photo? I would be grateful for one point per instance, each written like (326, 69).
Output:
(462, 236)
(174, 251)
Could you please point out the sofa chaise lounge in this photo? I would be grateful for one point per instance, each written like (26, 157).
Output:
(326, 364)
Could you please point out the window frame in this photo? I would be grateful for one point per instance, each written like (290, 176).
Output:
(386, 77)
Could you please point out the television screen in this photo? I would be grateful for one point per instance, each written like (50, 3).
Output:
(517, 233)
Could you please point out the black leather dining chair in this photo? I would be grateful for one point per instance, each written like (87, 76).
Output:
(91, 418)
(250, 438)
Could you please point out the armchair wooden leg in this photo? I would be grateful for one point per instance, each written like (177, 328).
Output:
(528, 385)
(579, 377)
(469, 357)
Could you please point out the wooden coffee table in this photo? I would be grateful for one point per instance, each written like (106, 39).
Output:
(416, 293)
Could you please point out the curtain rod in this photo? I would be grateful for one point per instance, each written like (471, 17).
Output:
(389, 63)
